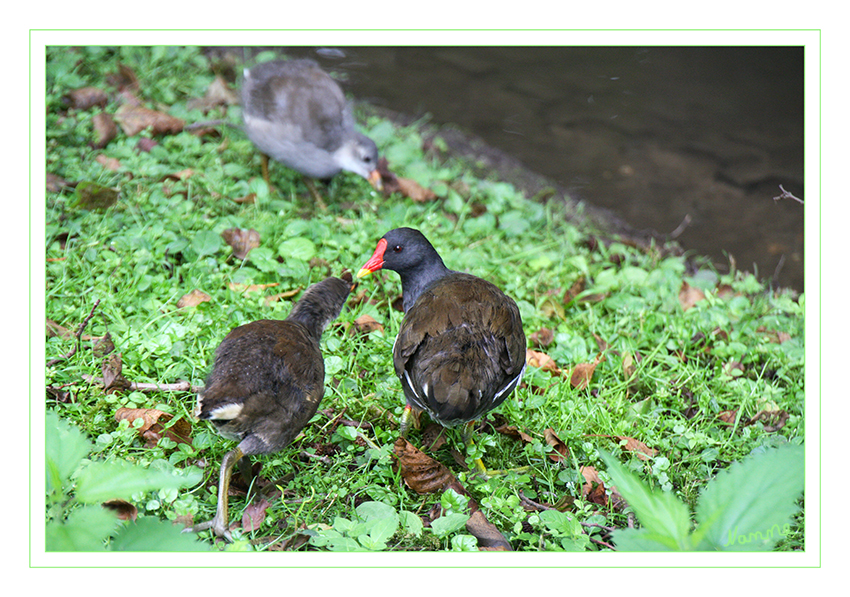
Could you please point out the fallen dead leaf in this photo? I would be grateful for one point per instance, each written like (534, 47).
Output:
(422, 473)
(366, 324)
(134, 119)
(123, 510)
(774, 336)
(124, 79)
(562, 452)
(102, 346)
(111, 369)
(146, 144)
(54, 183)
(180, 175)
(109, 163)
(254, 515)
(218, 94)
(241, 241)
(773, 420)
(250, 287)
(728, 416)
(105, 129)
(542, 337)
(153, 428)
(542, 361)
(583, 372)
(576, 289)
(273, 298)
(193, 299)
(689, 296)
(433, 437)
(641, 450)
(85, 98)
(489, 537)
(247, 199)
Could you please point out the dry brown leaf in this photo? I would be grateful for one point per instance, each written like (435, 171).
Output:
(273, 298)
(85, 98)
(54, 183)
(774, 336)
(153, 428)
(102, 346)
(124, 80)
(629, 367)
(134, 119)
(562, 452)
(542, 361)
(250, 287)
(542, 337)
(366, 324)
(641, 450)
(217, 94)
(123, 510)
(773, 420)
(193, 299)
(254, 515)
(111, 369)
(583, 372)
(489, 537)
(247, 199)
(146, 144)
(689, 296)
(422, 473)
(241, 241)
(104, 128)
(107, 162)
(415, 191)
(433, 437)
(728, 417)
(573, 291)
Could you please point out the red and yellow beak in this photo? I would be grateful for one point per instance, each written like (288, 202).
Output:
(375, 262)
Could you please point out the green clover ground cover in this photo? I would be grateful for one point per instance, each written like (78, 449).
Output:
(700, 387)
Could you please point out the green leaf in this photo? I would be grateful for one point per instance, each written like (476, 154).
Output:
(300, 249)
(152, 534)
(640, 540)
(65, 447)
(411, 523)
(206, 242)
(85, 530)
(749, 506)
(102, 481)
(661, 514)
(448, 523)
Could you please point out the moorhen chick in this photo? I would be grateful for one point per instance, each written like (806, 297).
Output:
(266, 383)
(460, 350)
(295, 113)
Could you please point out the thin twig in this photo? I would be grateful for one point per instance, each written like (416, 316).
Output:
(181, 386)
(78, 335)
(786, 195)
(681, 227)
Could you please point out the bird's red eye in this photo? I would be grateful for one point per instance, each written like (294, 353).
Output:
(397, 249)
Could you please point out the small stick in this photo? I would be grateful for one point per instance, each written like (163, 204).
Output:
(181, 386)
(78, 335)
(786, 195)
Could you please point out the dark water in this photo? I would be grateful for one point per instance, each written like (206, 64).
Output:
(655, 134)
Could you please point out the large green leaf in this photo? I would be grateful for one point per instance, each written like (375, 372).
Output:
(65, 447)
(102, 481)
(748, 507)
(152, 534)
(661, 514)
(85, 530)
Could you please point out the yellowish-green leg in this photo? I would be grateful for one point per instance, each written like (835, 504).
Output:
(219, 523)
(406, 418)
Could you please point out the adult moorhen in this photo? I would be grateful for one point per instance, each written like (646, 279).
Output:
(460, 350)
(266, 383)
(295, 113)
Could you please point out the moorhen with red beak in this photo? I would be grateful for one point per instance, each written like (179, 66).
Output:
(295, 113)
(460, 351)
(266, 383)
